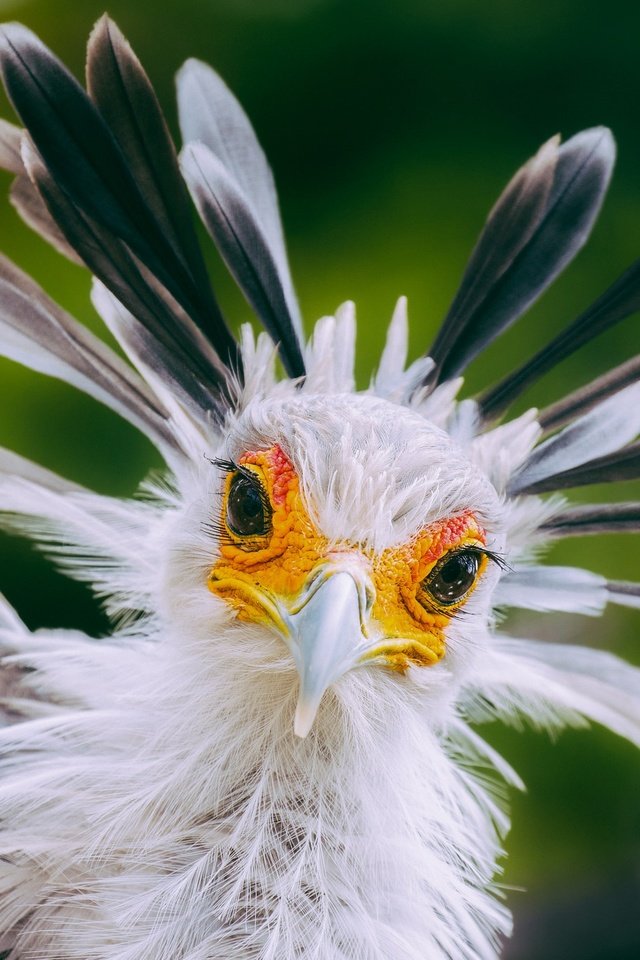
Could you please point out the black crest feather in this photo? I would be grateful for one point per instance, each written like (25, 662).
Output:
(183, 355)
(88, 166)
(121, 91)
(537, 226)
(594, 518)
(584, 399)
(210, 114)
(243, 247)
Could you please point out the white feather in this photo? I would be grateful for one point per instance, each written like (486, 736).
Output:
(151, 743)
(391, 380)
(154, 787)
(13, 465)
(394, 355)
(330, 353)
(500, 452)
(438, 406)
(368, 850)
(568, 589)
(553, 684)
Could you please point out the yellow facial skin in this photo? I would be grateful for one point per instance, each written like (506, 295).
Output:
(258, 574)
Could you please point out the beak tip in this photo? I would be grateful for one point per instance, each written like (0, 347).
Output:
(303, 721)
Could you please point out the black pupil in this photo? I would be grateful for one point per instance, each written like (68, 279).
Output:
(454, 578)
(246, 514)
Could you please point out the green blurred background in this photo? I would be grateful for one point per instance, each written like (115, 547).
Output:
(391, 127)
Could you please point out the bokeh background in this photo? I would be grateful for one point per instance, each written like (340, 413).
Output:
(392, 125)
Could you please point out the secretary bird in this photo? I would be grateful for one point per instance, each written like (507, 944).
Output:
(274, 755)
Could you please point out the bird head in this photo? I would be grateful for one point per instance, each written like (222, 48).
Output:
(341, 538)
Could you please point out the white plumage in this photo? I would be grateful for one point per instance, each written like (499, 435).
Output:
(155, 801)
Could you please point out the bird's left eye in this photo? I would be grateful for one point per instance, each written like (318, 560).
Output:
(247, 508)
(453, 577)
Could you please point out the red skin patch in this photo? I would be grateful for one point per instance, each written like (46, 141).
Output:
(280, 468)
(447, 533)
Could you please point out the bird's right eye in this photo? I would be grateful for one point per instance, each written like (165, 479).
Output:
(248, 512)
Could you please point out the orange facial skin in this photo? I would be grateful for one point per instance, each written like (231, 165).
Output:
(257, 574)
(398, 575)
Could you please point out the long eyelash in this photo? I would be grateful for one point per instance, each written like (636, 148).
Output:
(217, 531)
(496, 558)
(227, 466)
(264, 496)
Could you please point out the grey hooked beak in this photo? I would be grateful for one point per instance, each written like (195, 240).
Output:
(328, 633)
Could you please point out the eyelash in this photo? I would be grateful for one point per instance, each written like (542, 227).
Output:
(496, 558)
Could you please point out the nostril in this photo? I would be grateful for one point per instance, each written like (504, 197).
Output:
(366, 598)
(369, 596)
(314, 576)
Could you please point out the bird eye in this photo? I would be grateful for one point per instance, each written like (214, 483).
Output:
(247, 508)
(453, 577)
